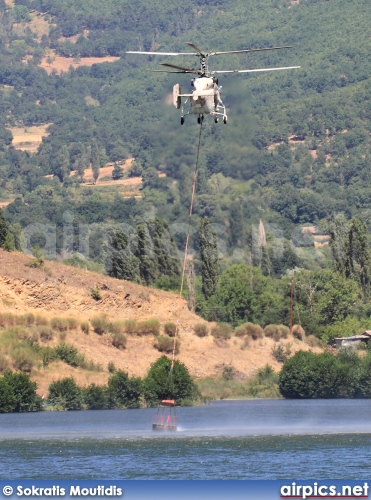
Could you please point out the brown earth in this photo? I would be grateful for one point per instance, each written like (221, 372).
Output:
(57, 290)
(62, 64)
(28, 138)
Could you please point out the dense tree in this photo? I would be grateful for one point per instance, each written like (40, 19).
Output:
(209, 258)
(65, 393)
(3, 228)
(162, 382)
(124, 391)
(7, 398)
(24, 392)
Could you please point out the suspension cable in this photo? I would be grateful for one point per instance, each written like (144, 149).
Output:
(191, 209)
(170, 379)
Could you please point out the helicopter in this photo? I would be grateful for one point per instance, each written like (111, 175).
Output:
(205, 99)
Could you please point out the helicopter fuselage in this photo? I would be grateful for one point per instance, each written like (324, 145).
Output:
(204, 100)
(205, 97)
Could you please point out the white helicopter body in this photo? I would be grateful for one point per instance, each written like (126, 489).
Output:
(205, 98)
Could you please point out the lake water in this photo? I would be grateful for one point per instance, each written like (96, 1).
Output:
(264, 439)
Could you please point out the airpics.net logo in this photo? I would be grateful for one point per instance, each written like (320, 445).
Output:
(316, 490)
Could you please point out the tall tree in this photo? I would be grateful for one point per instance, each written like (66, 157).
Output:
(209, 258)
(3, 228)
(120, 261)
(95, 160)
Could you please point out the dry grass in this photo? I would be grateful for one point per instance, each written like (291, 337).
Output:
(63, 64)
(29, 138)
(6, 203)
(38, 25)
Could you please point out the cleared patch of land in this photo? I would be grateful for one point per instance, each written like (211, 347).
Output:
(5, 203)
(29, 138)
(62, 64)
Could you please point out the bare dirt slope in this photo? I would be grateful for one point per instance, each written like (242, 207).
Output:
(64, 291)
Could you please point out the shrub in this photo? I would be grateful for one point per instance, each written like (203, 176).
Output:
(249, 329)
(62, 336)
(119, 340)
(46, 333)
(59, 324)
(148, 327)
(69, 354)
(165, 344)
(41, 320)
(312, 341)
(66, 393)
(170, 328)
(95, 294)
(130, 326)
(228, 373)
(117, 327)
(24, 359)
(111, 367)
(96, 397)
(100, 325)
(200, 329)
(276, 332)
(4, 364)
(73, 323)
(222, 331)
(85, 327)
(28, 319)
(7, 320)
(298, 332)
(281, 353)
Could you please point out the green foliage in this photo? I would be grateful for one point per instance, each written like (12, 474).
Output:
(124, 391)
(117, 172)
(70, 355)
(95, 294)
(85, 327)
(96, 397)
(100, 325)
(264, 384)
(308, 375)
(7, 398)
(3, 229)
(170, 328)
(148, 327)
(164, 343)
(222, 331)
(209, 258)
(281, 353)
(38, 260)
(276, 332)
(249, 329)
(23, 391)
(66, 394)
(119, 340)
(160, 383)
(200, 329)
(59, 324)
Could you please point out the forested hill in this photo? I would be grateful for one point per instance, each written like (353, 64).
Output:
(296, 149)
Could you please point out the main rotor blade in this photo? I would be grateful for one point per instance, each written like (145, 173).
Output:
(253, 70)
(194, 47)
(181, 68)
(161, 53)
(249, 50)
(167, 71)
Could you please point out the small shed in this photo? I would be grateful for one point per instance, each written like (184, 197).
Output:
(351, 341)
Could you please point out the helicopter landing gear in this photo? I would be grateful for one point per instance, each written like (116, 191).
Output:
(200, 119)
(182, 120)
(216, 119)
(225, 119)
